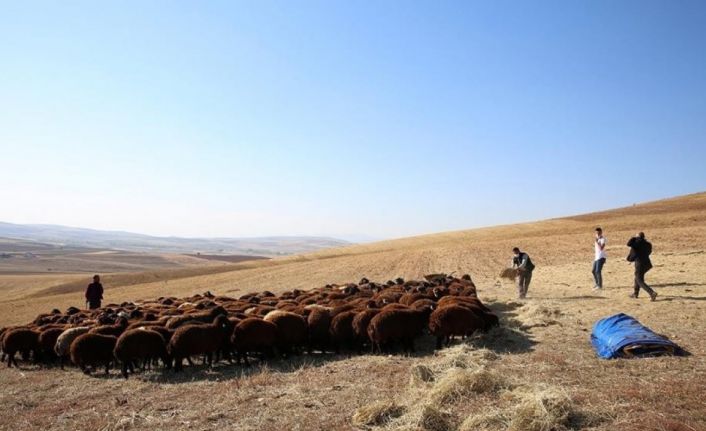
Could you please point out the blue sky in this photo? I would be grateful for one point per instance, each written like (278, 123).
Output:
(351, 119)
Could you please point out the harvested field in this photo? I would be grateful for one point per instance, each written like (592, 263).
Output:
(537, 371)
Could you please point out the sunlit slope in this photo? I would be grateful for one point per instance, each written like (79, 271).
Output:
(676, 225)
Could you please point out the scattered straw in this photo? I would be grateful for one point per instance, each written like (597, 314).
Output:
(420, 374)
(488, 421)
(377, 413)
(459, 383)
(433, 419)
(533, 315)
(542, 409)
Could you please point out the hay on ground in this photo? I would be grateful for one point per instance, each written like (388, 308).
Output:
(377, 413)
(420, 374)
(533, 315)
(542, 409)
(432, 419)
(459, 383)
(488, 421)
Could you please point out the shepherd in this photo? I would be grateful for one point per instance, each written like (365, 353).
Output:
(94, 293)
(524, 266)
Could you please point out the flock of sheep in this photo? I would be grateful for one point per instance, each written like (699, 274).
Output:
(366, 315)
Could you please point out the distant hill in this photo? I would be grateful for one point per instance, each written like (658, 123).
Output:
(117, 240)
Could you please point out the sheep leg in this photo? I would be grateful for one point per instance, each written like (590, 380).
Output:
(209, 356)
(124, 370)
(10, 359)
(439, 342)
(188, 359)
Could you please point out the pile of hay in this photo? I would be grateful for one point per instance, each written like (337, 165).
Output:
(432, 419)
(420, 374)
(542, 409)
(489, 421)
(533, 315)
(459, 383)
(377, 413)
(508, 273)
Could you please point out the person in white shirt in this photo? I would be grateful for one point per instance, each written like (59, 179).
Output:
(599, 258)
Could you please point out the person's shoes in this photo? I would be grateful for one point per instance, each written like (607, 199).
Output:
(653, 296)
(632, 295)
(597, 288)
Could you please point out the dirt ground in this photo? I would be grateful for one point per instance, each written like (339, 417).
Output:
(541, 355)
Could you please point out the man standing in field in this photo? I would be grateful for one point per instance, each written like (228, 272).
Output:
(94, 293)
(640, 250)
(522, 262)
(599, 259)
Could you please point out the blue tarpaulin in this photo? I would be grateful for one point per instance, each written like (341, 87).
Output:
(623, 336)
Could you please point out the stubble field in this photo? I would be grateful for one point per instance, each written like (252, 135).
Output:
(537, 371)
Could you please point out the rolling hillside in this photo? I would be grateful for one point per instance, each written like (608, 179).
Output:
(541, 350)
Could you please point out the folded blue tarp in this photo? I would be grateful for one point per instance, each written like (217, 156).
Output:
(622, 336)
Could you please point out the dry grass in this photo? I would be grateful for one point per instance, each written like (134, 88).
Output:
(544, 339)
(541, 409)
(377, 413)
(459, 383)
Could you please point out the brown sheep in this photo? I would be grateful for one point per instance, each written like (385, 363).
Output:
(93, 350)
(140, 345)
(22, 340)
(410, 298)
(254, 335)
(205, 317)
(115, 330)
(451, 320)
(341, 330)
(47, 341)
(192, 340)
(318, 323)
(462, 300)
(360, 324)
(390, 326)
(291, 330)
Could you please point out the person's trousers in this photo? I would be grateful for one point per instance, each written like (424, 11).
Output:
(94, 305)
(523, 282)
(597, 268)
(640, 271)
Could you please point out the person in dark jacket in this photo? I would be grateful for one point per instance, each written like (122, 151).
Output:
(522, 262)
(640, 250)
(94, 293)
